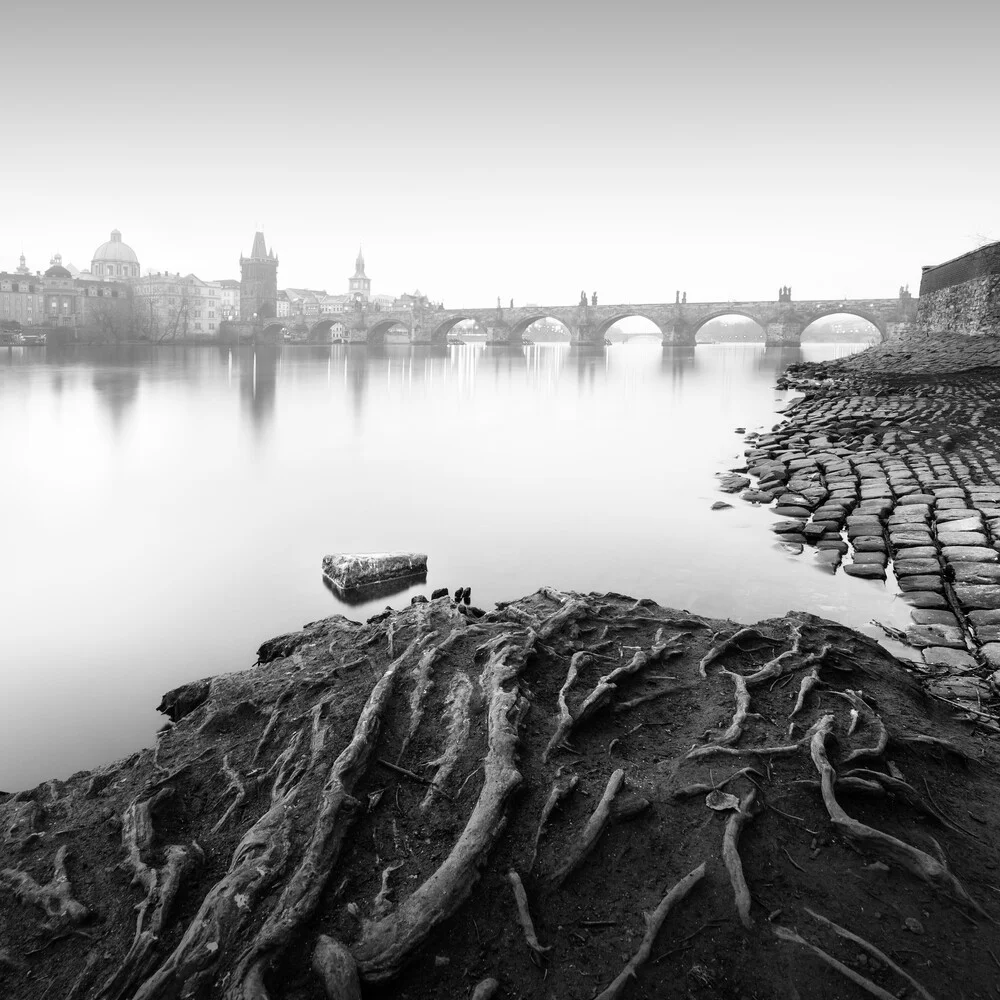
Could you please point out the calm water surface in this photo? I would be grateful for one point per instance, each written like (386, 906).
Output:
(167, 509)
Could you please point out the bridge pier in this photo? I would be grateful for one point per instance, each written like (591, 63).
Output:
(784, 331)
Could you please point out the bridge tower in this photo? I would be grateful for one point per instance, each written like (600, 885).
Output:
(360, 285)
(258, 282)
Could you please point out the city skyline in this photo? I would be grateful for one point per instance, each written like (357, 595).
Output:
(528, 154)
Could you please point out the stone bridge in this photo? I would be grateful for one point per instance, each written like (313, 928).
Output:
(678, 323)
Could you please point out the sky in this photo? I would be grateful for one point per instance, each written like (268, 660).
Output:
(525, 150)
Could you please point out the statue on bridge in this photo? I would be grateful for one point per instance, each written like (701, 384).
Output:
(785, 293)
(593, 299)
(583, 299)
(677, 297)
(684, 298)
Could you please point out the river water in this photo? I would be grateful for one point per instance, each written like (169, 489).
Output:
(167, 509)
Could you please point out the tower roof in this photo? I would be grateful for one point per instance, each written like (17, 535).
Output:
(115, 250)
(359, 265)
(259, 251)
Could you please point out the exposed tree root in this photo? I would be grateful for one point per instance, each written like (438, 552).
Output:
(258, 861)
(870, 719)
(781, 750)
(733, 642)
(788, 662)
(386, 944)
(808, 683)
(559, 791)
(240, 787)
(654, 922)
(84, 976)
(731, 855)
(336, 968)
(524, 917)
(735, 730)
(55, 897)
(871, 949)
(592, 831)
(458, 712)
(565, 723)
(382, 903)
(784, 934)
(933, 871)
(699, 788)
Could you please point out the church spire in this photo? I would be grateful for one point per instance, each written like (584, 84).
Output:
(359, 265)
(259, 251)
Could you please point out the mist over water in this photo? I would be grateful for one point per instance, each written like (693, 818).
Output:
(167, 509)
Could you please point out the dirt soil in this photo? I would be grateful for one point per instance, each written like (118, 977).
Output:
(353, 807)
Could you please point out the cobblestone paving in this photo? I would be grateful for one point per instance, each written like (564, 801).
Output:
(885, 467)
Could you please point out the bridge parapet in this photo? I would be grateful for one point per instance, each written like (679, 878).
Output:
(678, 323)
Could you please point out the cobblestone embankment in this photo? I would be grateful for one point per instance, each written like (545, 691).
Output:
(889, 467)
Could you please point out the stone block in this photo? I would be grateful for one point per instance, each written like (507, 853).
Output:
(969, 553)
(988, 617)
(865, 571)
(869, 543)
(936, 635)
(962, 538)
(925, 582)
(975, 596)
(923, 499)
(969, 524)
(945, 656)
(971, 572)
(932, 616)
(914, 567)
(925, 599)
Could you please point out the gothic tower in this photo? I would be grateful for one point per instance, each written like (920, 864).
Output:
(360, 285)
(258, 281)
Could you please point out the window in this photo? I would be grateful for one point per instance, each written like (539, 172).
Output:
(211, 315)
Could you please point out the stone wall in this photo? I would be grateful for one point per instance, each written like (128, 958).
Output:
(962, 295)
(972, 307)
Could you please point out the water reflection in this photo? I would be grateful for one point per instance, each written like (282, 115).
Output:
(200, 513)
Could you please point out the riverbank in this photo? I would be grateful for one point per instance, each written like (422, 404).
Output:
(431, 804)
(889, 469)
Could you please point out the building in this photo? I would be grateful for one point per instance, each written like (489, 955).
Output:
(114, 260)
(21, 299)
(359, 286)
(258, 282)
(229, 298)
(176, 307)
(283, 308)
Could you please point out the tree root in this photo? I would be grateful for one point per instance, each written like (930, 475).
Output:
(784, 934)
(55, 897)
(810, 681)
(336, 968)
(337, 812)
(259, 859)
(735, 730)
(733, 642)
(237, 785)
(83, 978)
(933, 871)
(776, 751)
(871, 949)
(592, 831)
(731, 855)
(565, 724)
(382, 904)
(459, 718)
(606, 685)
(689, 791)
(386, 944)
(654, 922)
(524, 917)
(558, 792)
(788, 662)
(908, 794)
(869, 718)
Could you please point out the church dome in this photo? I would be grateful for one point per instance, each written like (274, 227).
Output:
(114, 260)
(57, 271)
(115, 250)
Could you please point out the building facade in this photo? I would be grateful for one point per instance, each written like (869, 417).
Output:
(114, 260)
(176, 307)
(229, 298)
(258, 282)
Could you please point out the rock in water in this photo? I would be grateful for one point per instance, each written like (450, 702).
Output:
(347, 573)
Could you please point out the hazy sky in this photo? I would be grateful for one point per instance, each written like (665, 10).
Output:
(520, 149)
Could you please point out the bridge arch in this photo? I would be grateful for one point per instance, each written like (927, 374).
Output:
(521, 327)
(439, 333)
(605, 324)
(377, 330)
(846, 310)
(697, 324)
(272, 333)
